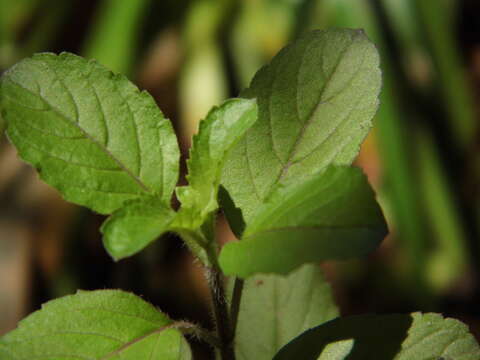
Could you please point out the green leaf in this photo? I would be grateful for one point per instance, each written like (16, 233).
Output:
(222, 128)
(134, 226)
(141, 221)
(385, 337)
(276, 309)
(104, 324)
(316, 100)
(90, 133)
(330, 215)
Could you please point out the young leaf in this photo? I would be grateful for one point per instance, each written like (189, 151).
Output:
(140, 222)
(104, 324)
(275, 309)
(384, 337)
(91, 134)
(316, 100)
(135, 225)
(329, 215)
(222, 128)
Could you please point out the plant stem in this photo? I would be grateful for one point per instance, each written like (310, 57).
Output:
(188, 328)
(220, 311)
(235, 306)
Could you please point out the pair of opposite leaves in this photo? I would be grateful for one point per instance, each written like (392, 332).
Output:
(281, 154)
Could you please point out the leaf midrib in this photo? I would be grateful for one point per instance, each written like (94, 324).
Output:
(309, 120)
(87, 136)
(310, 117)
(137, 340)
(286, 166)
(119, 350)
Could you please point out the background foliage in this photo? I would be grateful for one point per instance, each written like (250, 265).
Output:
(422, 157)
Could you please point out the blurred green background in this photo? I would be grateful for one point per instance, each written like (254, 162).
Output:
(423, 156)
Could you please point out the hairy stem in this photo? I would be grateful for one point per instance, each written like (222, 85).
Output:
(197, 331)
(235, 306)
(220, 311)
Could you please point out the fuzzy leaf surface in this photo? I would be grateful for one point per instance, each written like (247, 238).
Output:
(134, 226)
(91, 134)
(316, 100)
(329, 215)
(276, 309)
(385, 337)
(97, 325)
(140, 222)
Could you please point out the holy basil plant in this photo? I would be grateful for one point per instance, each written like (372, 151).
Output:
(277, 161)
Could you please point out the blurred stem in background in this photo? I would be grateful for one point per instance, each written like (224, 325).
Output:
(203, 81)
(45, 29)
(13, 16)
(448, 258)
(452, 97)
(113, 38)
(438, 24)
(3, 125)
(43, 20)
(447, 140)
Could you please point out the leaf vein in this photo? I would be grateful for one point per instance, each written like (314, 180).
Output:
(422, 339)
(444, 351)
(115, 312)
(67, 332)
(137, 340)
(310, 118)
(122, 166)
(250, 173)
(330, 134)
(134, 123)
(102, 112)
(67, 90)
(48, 133)
(34, 146)
(270, 117)
(154, 348)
